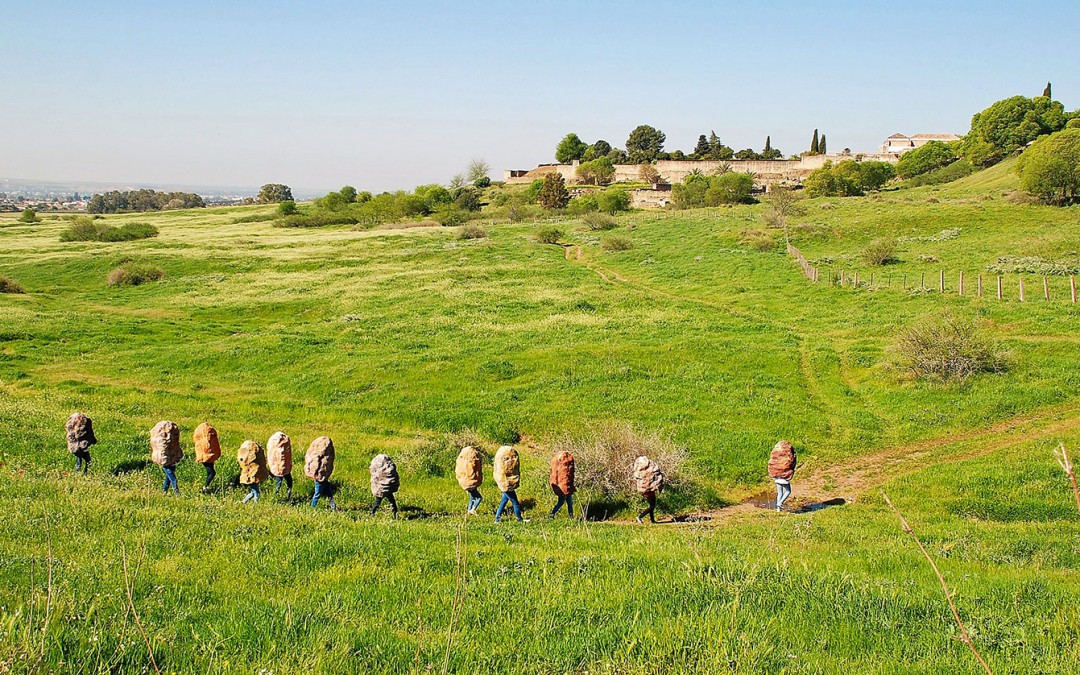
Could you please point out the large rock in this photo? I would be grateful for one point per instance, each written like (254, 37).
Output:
(507, 469)
(207, 447)
(384, 476)
(469, 469)
(647, 475)
(319, 459)
(80, 433)
(279, 454)
(165, 444)
(782, 461)
(562, 473)
(252, 460)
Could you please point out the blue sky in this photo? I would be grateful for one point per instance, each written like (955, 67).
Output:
(386, 95)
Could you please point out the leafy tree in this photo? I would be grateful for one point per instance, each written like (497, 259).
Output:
(272, 193)
(1009, 125)
(747, 154)
(532, 193)
(456, 181)
(287, 208)
(781, 203)
(348, 194)
(613, 200)
(1050, 168)
(618, 156)
(363, 197)
(701, 150)
(476, 170)
(874, 175)
(467, 199)
(597, 150)
(730, 188)
(482, 182)
(553, 194)
(933, 155)
(29, 216)
(814, 144)
(645, 144)
(142, 200)
(770, 152)
(718, 152)
(597, 172)
(848, 178)
(1074, 123)
(647, 173)
(822, 149)
(570, 148)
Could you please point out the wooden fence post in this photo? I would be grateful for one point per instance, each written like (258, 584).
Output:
(1046, 288)
(961, 282)
(1072, 287)
(922, 281)
(941, 280)
(1021, 289)
(855, 281)
(841, 278)
(871, 278)
(980, 285)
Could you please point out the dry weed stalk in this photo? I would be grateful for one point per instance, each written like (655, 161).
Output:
(1062, 457)
(128, 583)
(460, 549)
(948, 596)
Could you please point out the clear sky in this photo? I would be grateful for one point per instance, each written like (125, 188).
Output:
(386, 95)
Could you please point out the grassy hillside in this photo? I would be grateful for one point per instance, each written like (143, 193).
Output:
(391, 340)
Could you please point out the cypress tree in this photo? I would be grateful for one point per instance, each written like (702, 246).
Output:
(821, 145)
(768, 145)
(814, 143)
(701, 150)
(1046, 92)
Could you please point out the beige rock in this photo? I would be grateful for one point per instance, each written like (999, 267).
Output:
(507, 469)
(252, 460)
(469, 469)
(384, 476)
(207, 447)
(80, 433)
(279, 454)
(165, 444)
(319, 459)
(647, 475)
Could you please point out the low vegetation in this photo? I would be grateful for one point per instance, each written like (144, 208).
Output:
(881, 251)
(947, 347)
(9, 286)
(549, 235)
(617, 242)
(83, 228)
(471, 232)
(134, 274)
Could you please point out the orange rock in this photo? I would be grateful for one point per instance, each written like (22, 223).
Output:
(279, 454)
(207, 447)
(507, 469)
(252, 460)
(469, 469)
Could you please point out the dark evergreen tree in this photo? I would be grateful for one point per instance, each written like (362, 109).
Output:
(1046, 92)
(821, 145)
(814, 143)
(701, 150)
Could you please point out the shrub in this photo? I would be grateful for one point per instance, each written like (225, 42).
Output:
(604, 457)
(933, 155)
(316, 219)
(599, 221)
(287, 208)
(616, 242)
(880, 252)
(85, 229)
(759, 240)
(946, 348)
(946, 174)
(471, 232)
(613, 200)
(549, 235)
(436, 457)
(29, 216)
(451, 215)
(9, 286)
(135, 274)
(1050, 168)
(582, 204)
(253, 218)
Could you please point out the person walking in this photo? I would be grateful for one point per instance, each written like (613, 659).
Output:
(562, 481)
(253, 470)
(648, 478)
(384, 482)
(165, 451)
(279, 461)
(207, 451)
(80, 436)
(782, 462)
(507, 475)
(319, 466)
(470, 475)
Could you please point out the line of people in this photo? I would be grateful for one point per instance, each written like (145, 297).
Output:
(258, 464)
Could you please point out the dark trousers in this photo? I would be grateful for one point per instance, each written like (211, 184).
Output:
(378, 503)
(210, 473)
(82, 460)
(650, 498)
(288, 484)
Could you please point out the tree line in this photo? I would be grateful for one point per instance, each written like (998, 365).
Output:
(646, 144)
(142, 200)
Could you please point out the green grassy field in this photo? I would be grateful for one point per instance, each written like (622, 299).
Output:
(392, 340)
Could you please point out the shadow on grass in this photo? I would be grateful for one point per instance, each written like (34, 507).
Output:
(603, 509)
(130, 466)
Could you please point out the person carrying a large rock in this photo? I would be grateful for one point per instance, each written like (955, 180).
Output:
(507, 474)
(782, 463)
(384, 482)
(207, 451)
(80, 436)
(279, 458)
(318, 466)
(562, 481)
(165, 452)
(648, 479)
(470, 474)
(253, 470)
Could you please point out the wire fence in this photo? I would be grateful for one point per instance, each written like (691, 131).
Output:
(1050, 288)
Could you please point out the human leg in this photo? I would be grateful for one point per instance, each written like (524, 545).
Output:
(650, 499)
(318, 493)
(378, 503)
(502, 505)
(288, 485)
(517, 505)
(558, 504)
(210, 474)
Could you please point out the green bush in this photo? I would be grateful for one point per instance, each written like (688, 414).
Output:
(848, 178)
(880, 252)
(287, 208)
(1050, 168)
(616, 242)
(85, 229)
(254, 218)
(316, 219)
(599, 221)
(471, 232)
(933, 155)
(613, 200)
(549, 235)
(9, 286)
(135, 274)
(945, 174)
(946, 348)
(29, 216)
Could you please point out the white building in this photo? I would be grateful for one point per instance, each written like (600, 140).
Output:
(899, 143)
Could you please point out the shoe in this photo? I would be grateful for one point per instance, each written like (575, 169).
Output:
(471, 512)
(640, 521)
(779, 509)
(525, 520)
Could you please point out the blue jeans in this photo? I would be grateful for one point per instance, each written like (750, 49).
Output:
(323, 488)
(288, 484)
(474, 499)
(170, 479)
(564, 499)
(783, 491)
(254, 494)
(511, 497)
